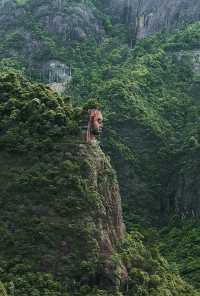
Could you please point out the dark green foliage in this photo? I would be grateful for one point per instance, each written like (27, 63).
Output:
(34, 284)
(150, 99)
(151, 112)
(149, 273)
(48, 231)
(44, 195)
(36, 121)
(189, 39)
(180, 245)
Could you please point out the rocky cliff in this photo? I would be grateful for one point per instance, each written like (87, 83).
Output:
(156, 16)
(69, 20)
(39, 32)
(153, 16)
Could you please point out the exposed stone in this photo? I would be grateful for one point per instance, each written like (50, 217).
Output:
(156, 15)
(103, 180)
(57, 72)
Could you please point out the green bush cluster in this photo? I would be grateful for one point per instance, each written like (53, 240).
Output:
(149, 273)
(37, 121)
(180, 245)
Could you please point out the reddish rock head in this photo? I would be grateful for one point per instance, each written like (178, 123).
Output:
(95, 124)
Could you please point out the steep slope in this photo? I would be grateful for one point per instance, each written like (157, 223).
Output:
(151, 101)
(40, 33)
(152, 16)
(185, 190)
(37, 33)
(61, 221)
(152, 134)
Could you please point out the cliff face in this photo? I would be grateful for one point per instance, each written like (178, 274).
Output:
(155, 16)
(37, 33)
(71, 21)
(33, 21)
(102, 179)
(64, 218)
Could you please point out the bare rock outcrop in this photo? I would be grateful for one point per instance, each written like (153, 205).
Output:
(154, 16)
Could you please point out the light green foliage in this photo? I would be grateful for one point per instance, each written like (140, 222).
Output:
(2, 290)
(28, 123)
(151, 112)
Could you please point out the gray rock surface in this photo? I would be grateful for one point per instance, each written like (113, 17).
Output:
(30, 23)
(70, 20)
(33, 32)
(153, 16)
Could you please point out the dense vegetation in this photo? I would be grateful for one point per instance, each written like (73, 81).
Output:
(180, 244)
(148, 96)
(150, 99)
(48, 208)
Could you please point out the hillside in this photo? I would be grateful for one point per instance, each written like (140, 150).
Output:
(72, 214)
(150, 98)
(38, 34)
(145, 18)
(56, 193)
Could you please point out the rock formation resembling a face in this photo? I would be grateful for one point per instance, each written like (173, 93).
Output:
(95, 124)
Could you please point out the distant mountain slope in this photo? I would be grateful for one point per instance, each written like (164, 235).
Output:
(39, 32)
(154, 16)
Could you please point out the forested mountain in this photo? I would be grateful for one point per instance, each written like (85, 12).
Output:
(62, 227)
(36, 33)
